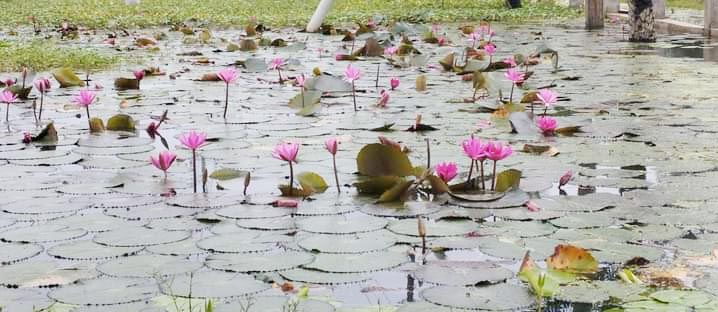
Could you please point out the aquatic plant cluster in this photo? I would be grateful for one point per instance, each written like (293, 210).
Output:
(213, 228)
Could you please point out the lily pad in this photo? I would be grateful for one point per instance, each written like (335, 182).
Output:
(148, 266)
(497, 297)
(213, 284)
(357, 263)
(259, 262)
(351, 243)
(456, 273)
(105, 291)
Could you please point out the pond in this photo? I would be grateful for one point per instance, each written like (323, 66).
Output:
(89, 224)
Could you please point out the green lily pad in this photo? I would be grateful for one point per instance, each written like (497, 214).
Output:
(121, 122)
(148, 266)
(357, 263)
(689, 298)
(462, 273)
(351, 243)
(213, 284)
(497, 297)
(258, 262)
(105, 291)
(67, 78)
(383, 160)
(323, 278)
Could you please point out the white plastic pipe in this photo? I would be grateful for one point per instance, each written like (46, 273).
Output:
(319, 15)
(132, 2)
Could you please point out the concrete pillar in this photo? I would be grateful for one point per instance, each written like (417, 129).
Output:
(659, 8)
(594, 13)
(710, 16)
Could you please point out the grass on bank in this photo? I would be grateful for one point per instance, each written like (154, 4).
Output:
(685, 4)
(43, 55)
(228, 13)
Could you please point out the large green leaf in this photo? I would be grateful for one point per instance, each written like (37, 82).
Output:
(312, 182)
(377, 185)
(507, 180)
(382, 160)
(227, 174)
(121, 122)
(67, 78)
(395, 193)
(438, 186)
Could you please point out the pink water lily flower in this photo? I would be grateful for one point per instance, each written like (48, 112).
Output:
(193, 140)
(287, 152)
(498, 151)
(163, 161)
(285, 203)
(435, 28)
(352, 74)
(383, 98)
(300, 80)
(532, 207)
(446, 171)
(490, 49)
(26, 138)
(476, 151)
(139, 74)
(228, 75)
(511, 61)
(8, 97)
(276, 63)
(474, 148)
(548, 97)
(85, 98)
(441, 41)
(546, 124)
(391, 51)
(394, 83)
(332, 144)
(9, 82)
(514, 76)
(43, 86)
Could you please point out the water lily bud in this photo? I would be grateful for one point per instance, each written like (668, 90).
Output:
(422, 228)
(421, 83)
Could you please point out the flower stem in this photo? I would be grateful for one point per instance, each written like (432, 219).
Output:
(493, 178)
(428, 154)
(7, 114)
(39, 114)
(354, 96)
(87, 110)
(511, 95)
(291, 178)
(194, 169)
(471, 170)
(302, 96)
(279, 72)
(226, 101)
(545, 109)
(483, 183)
(376, 82)
(336, 175)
